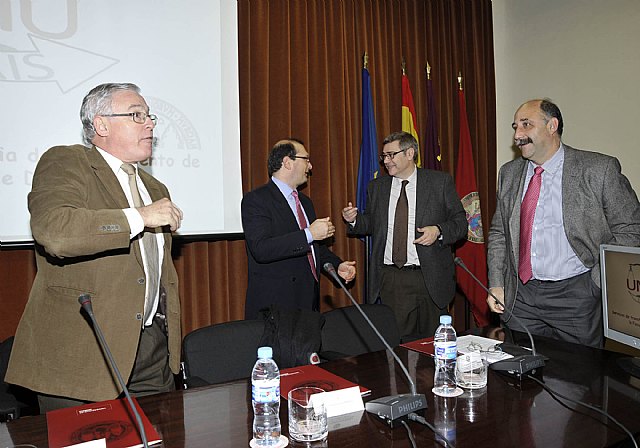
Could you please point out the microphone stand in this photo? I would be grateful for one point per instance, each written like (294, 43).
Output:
(85, 303)
(392, 407)
(521, 364)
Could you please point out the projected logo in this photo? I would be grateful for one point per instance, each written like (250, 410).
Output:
(175, 137)
(37, 56)
(633, 281)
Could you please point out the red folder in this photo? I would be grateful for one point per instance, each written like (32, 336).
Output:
(421, 345)
(111, 420)
(314, 376)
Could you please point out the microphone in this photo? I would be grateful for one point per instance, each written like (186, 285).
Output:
(392, 407)
(85, 303)
(521, 364)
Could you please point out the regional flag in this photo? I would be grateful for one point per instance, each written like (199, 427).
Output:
(368, 166)
(471, 251)
(409, 121)
(432, 153)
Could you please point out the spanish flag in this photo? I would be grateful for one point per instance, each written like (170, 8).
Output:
(409, 122)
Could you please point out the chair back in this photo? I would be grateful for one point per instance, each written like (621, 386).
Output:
(221, 352)
(346, 332)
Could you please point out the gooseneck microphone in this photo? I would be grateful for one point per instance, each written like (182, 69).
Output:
(85, 303)
(518, 365)
(392, 407)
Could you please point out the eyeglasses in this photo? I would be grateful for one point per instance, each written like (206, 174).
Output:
(138, 117)
(389, 155)
(301, 157)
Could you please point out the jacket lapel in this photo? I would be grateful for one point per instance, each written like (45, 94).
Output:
(110, 185)
(281, 206)
(516, 183)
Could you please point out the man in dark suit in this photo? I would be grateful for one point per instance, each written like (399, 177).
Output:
(556, 206)
(415, 216)
(284, 238)
(91, 238)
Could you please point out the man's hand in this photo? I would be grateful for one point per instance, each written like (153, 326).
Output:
(347, 270)
(430, 235)
(493, 306)
(349, 213)
(161, 213)
(322, 229)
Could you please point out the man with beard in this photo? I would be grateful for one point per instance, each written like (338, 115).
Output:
(556, 205)
(284, 239)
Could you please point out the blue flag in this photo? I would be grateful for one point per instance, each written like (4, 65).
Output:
(368, 166)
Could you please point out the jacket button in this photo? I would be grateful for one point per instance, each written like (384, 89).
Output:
(138, 316)
(141, 281)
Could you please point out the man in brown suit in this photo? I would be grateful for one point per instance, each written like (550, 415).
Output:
(88, 234)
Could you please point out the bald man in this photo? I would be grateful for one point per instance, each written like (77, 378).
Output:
(555, 206)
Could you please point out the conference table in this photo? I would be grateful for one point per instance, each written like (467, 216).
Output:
(509, 412)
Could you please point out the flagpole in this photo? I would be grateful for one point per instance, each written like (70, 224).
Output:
(367, 239)
(467, 309)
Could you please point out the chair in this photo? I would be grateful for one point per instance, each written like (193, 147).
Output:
(346, 333)
(15, 401)
(221, 352)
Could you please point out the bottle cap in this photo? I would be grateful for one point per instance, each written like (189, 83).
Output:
(445, 319)
(265, 352)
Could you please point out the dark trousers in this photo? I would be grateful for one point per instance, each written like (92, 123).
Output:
(568, 310)
(151, 373)
(404, 291)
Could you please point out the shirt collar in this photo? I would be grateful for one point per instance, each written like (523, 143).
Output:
(113, 162)
(552, 165)
(285, 189)
(412, 178)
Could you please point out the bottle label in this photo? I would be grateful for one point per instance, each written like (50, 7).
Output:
(266, 391)
(446, 350)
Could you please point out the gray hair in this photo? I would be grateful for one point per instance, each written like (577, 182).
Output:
(98, 102)
(405, 141)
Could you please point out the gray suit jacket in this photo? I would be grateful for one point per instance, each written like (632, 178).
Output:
(82, 246)
(436, 203)
(598, 207)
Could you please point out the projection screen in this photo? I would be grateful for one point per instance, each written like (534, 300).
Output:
(184, 57)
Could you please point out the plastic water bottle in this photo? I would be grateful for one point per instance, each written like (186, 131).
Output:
(265, 397)
(446, 349)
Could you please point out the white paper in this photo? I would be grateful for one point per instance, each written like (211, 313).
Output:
(100, 443)
(342, 401)
(488, 347)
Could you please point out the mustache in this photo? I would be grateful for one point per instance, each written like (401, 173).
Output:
(523, 141)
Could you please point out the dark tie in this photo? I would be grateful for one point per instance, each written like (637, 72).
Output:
(303, 225)
(150, 245)
(527, 213)
(400, 226)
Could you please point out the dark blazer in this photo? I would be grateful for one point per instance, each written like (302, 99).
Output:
(279, 271)
(599, 206)
(82, 246)
(437, 203)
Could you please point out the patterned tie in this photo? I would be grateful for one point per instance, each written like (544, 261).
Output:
(527, 213)
(303, 225)
(149, 245)
(400, 228)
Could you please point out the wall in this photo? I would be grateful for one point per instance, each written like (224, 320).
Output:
(584, 55)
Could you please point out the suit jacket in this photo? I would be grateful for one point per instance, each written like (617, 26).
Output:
(436, 203)
(599, 206)
(82, 246)
(279, 271)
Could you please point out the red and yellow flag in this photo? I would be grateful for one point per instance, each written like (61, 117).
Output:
(409, 122)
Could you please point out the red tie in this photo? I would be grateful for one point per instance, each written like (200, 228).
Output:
(527, 213)
(303, 225)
